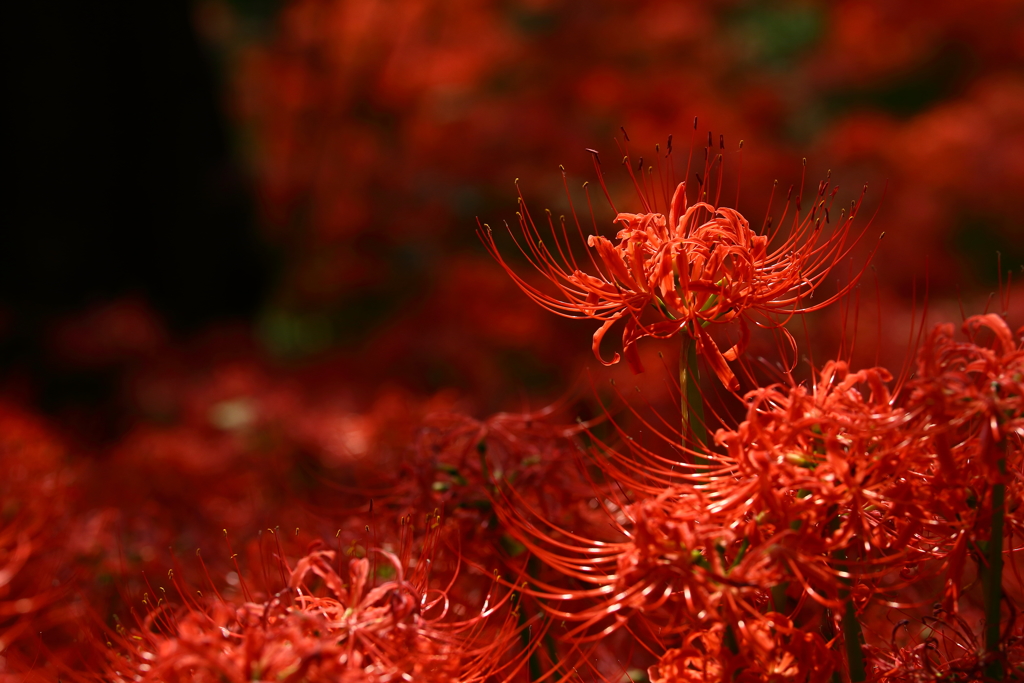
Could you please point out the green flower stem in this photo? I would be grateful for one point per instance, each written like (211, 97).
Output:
(692, 401)
(526, 639)
(729, 640)
(992, 581)
(853, 636)
(536, 664)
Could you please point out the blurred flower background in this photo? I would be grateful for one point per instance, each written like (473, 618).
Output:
(239, 246)
(311, 171)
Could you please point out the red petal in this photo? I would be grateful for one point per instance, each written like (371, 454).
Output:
(677, 208)
(599, 335)
(709, 349)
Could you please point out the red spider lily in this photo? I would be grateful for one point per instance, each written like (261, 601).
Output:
(34, 501)
(451, 462)
(702, 570)
(461, 458)
(324, 628)
(969, 398)
(814, 470)
(856, 472)
(816, 490)
(679, 568)
(834, 490)
(700, 264)
(771, 649)
(832, 463)
(968, 389)
(943, 647)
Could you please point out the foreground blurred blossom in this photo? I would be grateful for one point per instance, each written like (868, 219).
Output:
(35, 487)
(322, 627)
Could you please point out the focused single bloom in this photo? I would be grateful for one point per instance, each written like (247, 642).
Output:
(699, 264)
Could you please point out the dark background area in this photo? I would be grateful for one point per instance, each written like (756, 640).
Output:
(125, 179)
(309, 173)
(123, 183)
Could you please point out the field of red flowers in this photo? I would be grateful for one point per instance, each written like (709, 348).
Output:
(539, 340)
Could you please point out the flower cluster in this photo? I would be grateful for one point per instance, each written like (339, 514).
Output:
(321, 627)
(325, 507)
(824, 501)
(762, 554)
(35, 483)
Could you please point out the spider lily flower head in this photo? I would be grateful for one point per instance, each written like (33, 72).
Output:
(687, 267)
(837, 466)
(800, 426)
(709, 570)
(323, 627)
(968, 398)
(465, 459)
(769, 649)
(680, 567)
(972, 393)
(942, 647)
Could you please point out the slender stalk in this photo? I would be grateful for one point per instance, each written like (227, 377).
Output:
(526, 638)
(992, 581)
(729, 640)
(691, 401)
(852, 637)
(536, 663)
